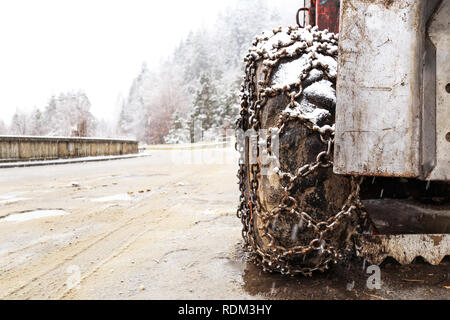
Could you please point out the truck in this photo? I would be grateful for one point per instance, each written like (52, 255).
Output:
(344, 136)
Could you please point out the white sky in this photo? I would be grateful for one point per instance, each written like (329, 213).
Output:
(98, 46)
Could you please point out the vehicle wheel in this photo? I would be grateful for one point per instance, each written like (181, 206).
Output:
(298, 216)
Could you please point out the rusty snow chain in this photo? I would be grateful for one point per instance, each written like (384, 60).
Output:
(277, 257)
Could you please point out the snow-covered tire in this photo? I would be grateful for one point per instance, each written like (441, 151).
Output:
(320, 194)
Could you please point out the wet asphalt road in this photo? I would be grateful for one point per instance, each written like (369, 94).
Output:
(159, 227)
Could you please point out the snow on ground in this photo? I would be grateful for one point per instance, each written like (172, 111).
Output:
(116, 197)
(8, 198)
(67, 161)
(31, 215)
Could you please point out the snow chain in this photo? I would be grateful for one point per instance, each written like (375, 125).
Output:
(275, 257)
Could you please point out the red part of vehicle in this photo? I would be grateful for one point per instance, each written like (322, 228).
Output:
(323, 13)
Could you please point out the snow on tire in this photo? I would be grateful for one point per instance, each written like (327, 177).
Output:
(290, 88)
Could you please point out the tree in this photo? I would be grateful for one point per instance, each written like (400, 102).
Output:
(132, 119)
(19, 123)
(205, 105)
(179, 133)
(105, 129)
(36, 127)
(69, 115)
(50, 114)
(229, 104)
(200, 80)
(167, 100)
(3, 128)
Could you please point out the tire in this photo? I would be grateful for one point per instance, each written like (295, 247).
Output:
(321, 194)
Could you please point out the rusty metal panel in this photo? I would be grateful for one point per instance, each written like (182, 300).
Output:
(379, 116)
(439, 32)
(404, 247)
(404, 230)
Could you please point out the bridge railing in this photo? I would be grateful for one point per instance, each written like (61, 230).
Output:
(20, 148)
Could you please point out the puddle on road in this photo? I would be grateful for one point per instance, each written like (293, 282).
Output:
(346, 281)
(329, 285)
(31, 215)
(117, 197)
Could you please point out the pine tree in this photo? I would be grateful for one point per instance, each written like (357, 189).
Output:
(179, 133)
(3, 128)
(19, 123)
(133, 116)
(37, 123)
(205, 103)
(50, 114)
(202, 70)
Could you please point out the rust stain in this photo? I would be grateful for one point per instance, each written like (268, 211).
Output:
(388, 3)
(374, 239)
(385, 173)
(436, 239)
(377, 88)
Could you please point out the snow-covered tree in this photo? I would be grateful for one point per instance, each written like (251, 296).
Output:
(132, 119)
(205, 104)
(212, 62)
(229, 105)
(180, 132)
(168, 98)
(37, 124)
(3, 128)
(69, 115)
(19, 123)
(199, 81)
(105, 129)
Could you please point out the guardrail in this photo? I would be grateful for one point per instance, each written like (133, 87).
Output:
(20, 148)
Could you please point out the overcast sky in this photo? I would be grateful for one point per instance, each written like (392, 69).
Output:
(98, 46)
(52, 46)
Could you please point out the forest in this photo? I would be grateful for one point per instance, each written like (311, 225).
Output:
(199, 82)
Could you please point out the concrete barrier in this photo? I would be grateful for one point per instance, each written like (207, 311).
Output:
(20, 148)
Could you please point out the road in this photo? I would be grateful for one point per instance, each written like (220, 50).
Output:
(157, 227)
